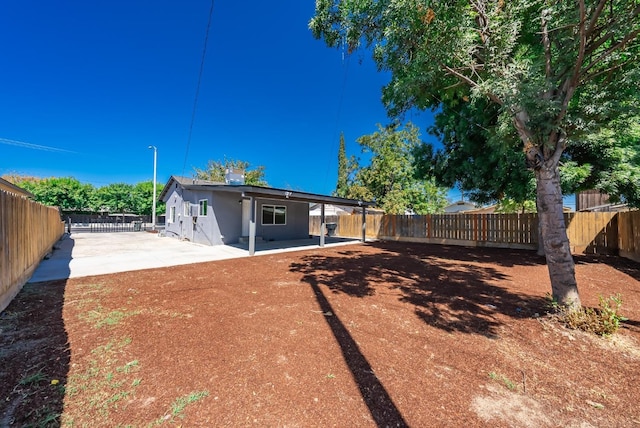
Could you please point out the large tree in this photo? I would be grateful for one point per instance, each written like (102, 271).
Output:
(216, 170)
(556, 70)
(485, 160)
(391, 177)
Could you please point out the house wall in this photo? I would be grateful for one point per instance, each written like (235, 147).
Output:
(221, 225)
(223, 222)
(227, 217)
(297, 226)
(174, 228)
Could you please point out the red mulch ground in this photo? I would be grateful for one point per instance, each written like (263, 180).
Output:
(383, 334)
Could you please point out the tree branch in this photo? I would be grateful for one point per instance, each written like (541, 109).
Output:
(592, 47)
(483, 21)
(472, 83)
(583, 44)
(559, 149)
(547, 47)
(629, 37)
(594, 18)
(585, 77)
(569, 86)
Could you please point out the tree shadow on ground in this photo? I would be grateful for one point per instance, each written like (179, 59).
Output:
(445, 285)
(35, 356)
(383, 411)
(621, 264)
(445, 290)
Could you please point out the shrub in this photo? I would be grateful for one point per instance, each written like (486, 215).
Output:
(604, 320)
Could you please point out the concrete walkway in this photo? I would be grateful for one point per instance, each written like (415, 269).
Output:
(86, 254)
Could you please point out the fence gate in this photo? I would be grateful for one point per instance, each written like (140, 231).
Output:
(113, 225)
(92, 223)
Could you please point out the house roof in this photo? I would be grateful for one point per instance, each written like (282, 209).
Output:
(12, 188)
(259, 192)
(459, 206)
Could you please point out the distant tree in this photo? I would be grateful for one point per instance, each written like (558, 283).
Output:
(342, 185)
(71, 195)
(391, 178)
(215, 171)
(558, 72)
(115, 198)
(67, 193)
(142, 198)
(510, 206)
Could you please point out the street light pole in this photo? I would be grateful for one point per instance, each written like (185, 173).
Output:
(155, 160)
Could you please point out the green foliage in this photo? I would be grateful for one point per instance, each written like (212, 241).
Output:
(215, 171)
(510, 206)
(613, 157)
(604, 320)
(115, 198)
(344, 171)
(142, 195)
(35, 378)
(181, 403)
(504, 380)
(484, 160)
(71, 195)
(391, 177)
(551, 73)
(480, 156)
(67, 193)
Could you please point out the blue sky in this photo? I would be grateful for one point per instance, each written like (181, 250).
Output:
(89, 85)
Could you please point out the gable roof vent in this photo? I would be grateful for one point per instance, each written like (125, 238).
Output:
(234, 177)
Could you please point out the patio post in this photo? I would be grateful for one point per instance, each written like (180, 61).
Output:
(322, 225)
(364, 223)
(252, 227)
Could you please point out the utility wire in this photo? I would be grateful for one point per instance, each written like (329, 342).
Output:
(336, 133)
(195, 101)
(33, 146)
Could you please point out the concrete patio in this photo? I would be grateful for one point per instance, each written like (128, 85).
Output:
(86, 254)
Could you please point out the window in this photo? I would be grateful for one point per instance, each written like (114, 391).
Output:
(172, 215)
(203, 207)
(186, 207)
(274, 214)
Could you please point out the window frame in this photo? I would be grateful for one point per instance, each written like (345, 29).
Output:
(186, 208)
(274, 215)
(203, 203)
(172, 214)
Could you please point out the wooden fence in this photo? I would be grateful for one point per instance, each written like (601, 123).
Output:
(28, 231)
(629, 235)
(590, 233)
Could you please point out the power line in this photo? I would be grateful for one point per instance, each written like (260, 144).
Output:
(339, 112)
(195, 101)
(33, 146)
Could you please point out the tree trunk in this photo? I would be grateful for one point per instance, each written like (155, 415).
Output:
(554, 233)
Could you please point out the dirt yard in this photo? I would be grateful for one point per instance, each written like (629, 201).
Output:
(374, 335)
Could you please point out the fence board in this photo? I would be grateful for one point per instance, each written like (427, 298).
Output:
(591, 233)
(28, 231)
(629, 235)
